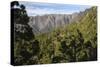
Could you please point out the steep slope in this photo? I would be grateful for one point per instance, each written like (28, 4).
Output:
(71, 43)
(47, 23)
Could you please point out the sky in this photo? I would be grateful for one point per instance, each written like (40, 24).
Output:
(37, 8)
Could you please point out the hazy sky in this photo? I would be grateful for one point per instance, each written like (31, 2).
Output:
(36, 8)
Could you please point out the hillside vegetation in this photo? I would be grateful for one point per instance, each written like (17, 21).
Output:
(73, 42)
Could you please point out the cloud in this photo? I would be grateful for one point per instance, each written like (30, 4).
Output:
(39, 11)
(34, 8)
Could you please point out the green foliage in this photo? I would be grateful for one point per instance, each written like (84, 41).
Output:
(72, 43)
(26, 47)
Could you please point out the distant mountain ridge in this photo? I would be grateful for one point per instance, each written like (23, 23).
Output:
(46, 23)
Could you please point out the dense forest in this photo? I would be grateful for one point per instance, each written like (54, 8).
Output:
(74, 42)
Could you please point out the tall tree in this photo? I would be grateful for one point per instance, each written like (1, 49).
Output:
(25, 44)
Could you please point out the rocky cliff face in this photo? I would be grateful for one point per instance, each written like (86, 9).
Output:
(46, 23)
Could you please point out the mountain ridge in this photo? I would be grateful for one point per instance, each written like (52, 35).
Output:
(45, 23)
